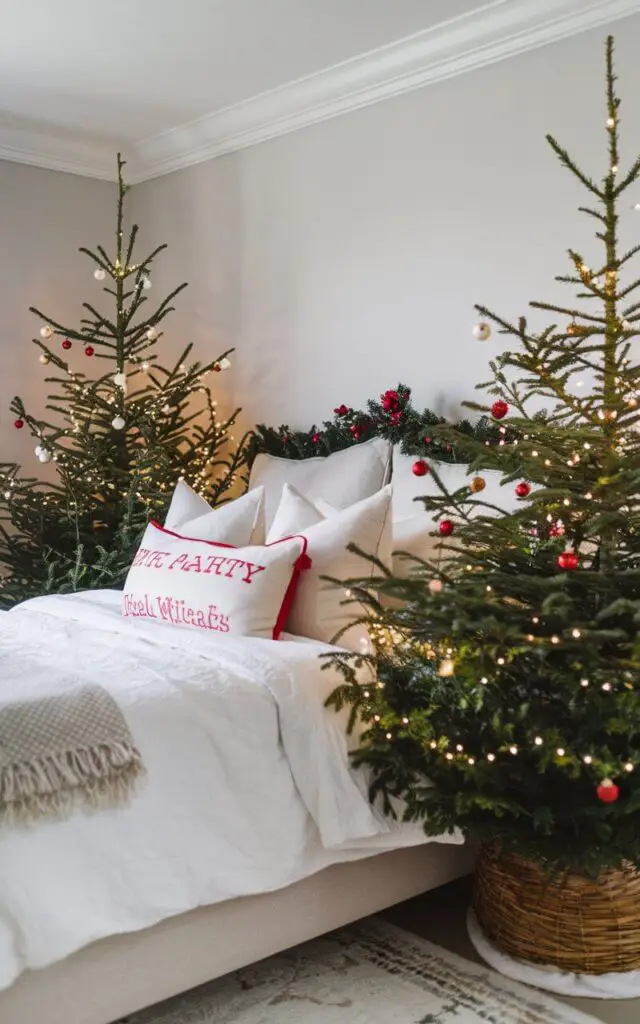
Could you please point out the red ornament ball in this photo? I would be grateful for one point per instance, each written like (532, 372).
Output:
(557, 530)
(341, 410)
(315, 438)
(445, 528)
(89, 350)
(66, 344)
(568, 560)
(608, 792)
(217, 368)
(18, 424)
(420, 468)
(499, 410)
(427, 440)
(523, 490)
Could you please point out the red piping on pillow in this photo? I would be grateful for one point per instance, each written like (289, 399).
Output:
(301, 563)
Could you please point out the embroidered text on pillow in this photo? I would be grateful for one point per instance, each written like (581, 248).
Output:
(208, 585)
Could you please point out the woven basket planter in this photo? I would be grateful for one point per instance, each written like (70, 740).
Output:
(567, 921)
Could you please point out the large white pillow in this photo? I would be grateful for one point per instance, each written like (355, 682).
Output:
(342, 479)
(198, 584)
(413, 526)
(237, 522)
(318, 610)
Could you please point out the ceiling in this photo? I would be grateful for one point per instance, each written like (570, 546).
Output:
(176, 82)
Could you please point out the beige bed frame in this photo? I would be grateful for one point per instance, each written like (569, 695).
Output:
(119, 975)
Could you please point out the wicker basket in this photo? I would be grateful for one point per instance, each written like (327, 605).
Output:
(569, 921)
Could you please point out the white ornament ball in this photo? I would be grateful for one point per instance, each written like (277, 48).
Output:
(99, 274)
(44, 456)
(626, 326)
(118, 423)
(435, 586)
(166, 409)
(482, 331)
(152, 334)
(44, 359)
(146, 283)
(224, 364)
(38, 449)
(46, 331)
(119, 380)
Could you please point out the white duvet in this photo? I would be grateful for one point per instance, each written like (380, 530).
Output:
(248, 785)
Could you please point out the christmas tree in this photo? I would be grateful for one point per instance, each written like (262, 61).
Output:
(118, 440)
(508, 695)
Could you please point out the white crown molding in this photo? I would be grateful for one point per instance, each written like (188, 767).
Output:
(492, 32)
(27, 144)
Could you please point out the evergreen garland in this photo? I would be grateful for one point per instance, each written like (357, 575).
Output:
(392, 417)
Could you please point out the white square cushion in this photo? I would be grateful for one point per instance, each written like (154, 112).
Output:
(318, 610)
(237, 522)
(342, 479)
(200, 584)
(413, 526)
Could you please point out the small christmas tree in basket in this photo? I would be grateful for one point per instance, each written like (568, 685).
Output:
(508, 698)
(121, 439)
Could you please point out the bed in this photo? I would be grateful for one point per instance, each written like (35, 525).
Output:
(249, 833)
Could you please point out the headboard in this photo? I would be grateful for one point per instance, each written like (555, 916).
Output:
(392, 416)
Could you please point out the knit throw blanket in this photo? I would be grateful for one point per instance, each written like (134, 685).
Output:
(58, 752)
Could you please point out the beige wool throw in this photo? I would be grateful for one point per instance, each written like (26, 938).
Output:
(62, 751)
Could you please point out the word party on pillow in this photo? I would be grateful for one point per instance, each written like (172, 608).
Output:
(200, 584)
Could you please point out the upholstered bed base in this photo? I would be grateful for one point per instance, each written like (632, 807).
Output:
(119, 975)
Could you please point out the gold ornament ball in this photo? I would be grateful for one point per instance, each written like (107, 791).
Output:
(574, 328)
(632, 403)
(44, 359)
(477, 484)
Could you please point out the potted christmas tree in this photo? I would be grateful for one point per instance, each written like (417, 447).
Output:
(508, 701)
(120, 439)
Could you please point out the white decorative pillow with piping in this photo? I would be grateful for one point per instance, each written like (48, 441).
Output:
(318, 610)
(200, 584)
(342, 478)
(236, 522)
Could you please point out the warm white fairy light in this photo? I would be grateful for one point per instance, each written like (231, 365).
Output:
(587, 759)
(606, 687)
(538, 741)
(484, 681)
(471, 760)
(628, 767)
(555, 639)
(491, 757)
(513, 750)
(576, 634)
(449, 756)
(560, 751)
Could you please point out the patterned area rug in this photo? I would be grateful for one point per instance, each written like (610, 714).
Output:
(367, 974)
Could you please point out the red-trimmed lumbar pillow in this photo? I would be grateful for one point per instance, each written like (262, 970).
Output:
(199, 584)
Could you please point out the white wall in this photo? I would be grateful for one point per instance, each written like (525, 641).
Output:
(343, 257)
(44, 217)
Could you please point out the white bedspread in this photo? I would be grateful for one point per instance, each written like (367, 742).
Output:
(248, 784)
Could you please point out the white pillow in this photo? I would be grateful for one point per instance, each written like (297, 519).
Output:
(203, 585)
(342, 479)
(413, 525)
(237, 522)
(318, 610)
